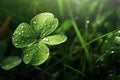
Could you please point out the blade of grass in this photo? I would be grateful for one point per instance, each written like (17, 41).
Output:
(79, 35)
(60, 6)
(75, 70)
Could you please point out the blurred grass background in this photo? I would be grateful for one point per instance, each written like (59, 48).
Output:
(87, 23)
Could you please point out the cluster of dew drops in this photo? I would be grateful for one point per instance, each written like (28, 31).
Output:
(116, 40)
(20, 33)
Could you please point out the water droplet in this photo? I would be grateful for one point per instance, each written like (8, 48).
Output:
(117, 38)
(16, 32)
(28, 36)
(22, 31)
(106, 41)
(13, 38)
(22, 41)
(34, 22)
(112, 52)
(43, 34)
(102, 59)
(16, 44)
(87, 21)
(45, 39)
(40, 27)
(27, 55)
(119, 31)
(53, 26)
(19, 33)
(111, 74)
(47, 54)
(22, 26)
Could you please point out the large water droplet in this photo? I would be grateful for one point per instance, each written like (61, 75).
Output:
(119, 31)
(45, 39)
(87, 21)
(112, 52)
(34, 22)
(117, 39)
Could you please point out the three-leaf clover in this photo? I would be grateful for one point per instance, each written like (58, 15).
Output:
(34, 37)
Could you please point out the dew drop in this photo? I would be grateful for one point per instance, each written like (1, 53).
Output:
(47, 54)
(27, 55)
(22, 41)
(112, 52)
(106, 41)
(22, 31)
(16, 44)
(43, 34)
(87, 21)
(16, 32)
(40, 27)
(28, 36)
(119, 31)
(45, 39)
(102, 59)
(117, 38)
(13, 39)
(19, 33)
(52, 26)
(34, 22)
(22, 26)
(111, 74)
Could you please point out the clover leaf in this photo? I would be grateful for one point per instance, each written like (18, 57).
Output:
(33, 38)
(10, 62)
